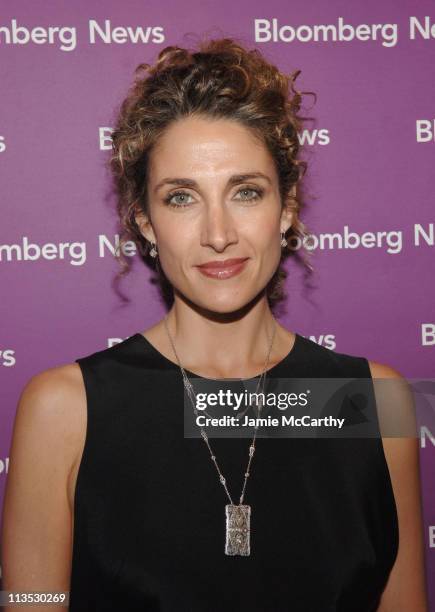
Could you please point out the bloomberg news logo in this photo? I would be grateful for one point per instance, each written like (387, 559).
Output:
(387, 34)
(65, 38)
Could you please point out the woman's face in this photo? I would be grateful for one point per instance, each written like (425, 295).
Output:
(205, 208)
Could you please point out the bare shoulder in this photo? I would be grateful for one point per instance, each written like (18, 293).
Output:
(51, 414)
(381, 370)
(51, 400)
(60, 381)
(395, 402)
(396, 413)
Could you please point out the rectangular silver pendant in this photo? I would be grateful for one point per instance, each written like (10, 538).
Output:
(238, 529)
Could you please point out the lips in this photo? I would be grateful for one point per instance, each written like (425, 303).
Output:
(226, 263)
(223, 269)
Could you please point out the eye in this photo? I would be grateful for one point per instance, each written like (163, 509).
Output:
(183, 196)
(177, 194)
(246, 190)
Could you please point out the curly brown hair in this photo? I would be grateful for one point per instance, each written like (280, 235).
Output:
(221, 78)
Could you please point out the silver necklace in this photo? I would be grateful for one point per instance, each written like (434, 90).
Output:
(238, 516)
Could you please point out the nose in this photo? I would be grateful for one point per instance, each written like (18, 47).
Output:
(218, 228)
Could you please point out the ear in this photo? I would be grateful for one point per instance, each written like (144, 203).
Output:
(287, 215)
(144, 225)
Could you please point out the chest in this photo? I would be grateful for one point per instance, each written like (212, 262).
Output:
(152, 519)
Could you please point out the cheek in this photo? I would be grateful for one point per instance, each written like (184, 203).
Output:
(267, 246)
(176, 243)
(265, 235)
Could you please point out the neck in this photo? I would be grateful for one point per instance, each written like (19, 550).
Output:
(223, 345)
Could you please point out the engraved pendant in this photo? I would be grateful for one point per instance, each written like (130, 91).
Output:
(238, 529)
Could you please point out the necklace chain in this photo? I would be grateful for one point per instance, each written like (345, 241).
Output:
(192, 396)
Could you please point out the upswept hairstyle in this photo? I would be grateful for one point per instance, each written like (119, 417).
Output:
(220, 79)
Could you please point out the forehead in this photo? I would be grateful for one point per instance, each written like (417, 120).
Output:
(208, 146)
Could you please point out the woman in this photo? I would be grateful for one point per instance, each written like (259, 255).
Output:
(206, 169)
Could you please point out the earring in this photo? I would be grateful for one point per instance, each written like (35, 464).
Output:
(283, 240)
(153, 251)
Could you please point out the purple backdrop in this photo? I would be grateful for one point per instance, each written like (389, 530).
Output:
(370, 147)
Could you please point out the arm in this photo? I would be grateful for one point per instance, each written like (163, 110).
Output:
(37, 525)
(406, 588)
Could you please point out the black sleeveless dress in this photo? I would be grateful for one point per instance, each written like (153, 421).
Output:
(149, 509)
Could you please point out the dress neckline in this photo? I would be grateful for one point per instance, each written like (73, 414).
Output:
(287, 358)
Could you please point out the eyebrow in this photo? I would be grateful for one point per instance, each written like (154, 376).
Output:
(233, 180)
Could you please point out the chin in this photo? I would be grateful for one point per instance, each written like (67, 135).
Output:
(225, 302)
